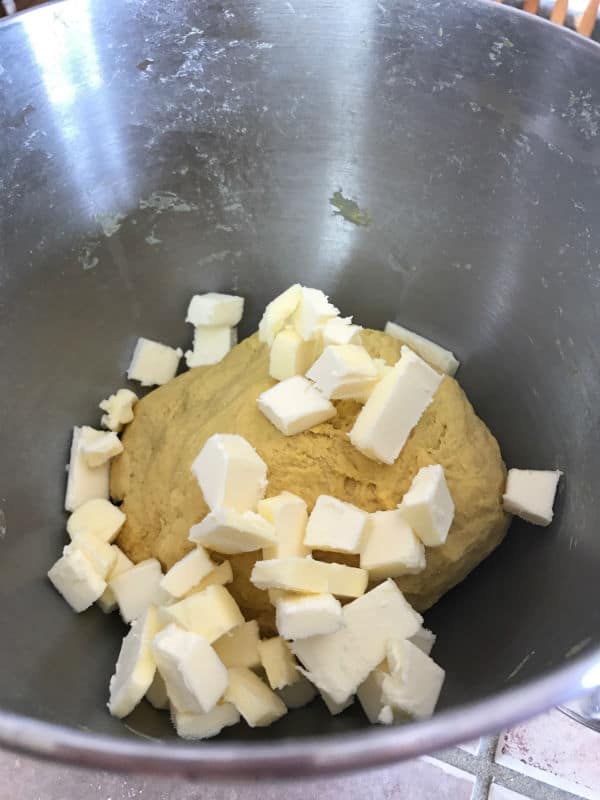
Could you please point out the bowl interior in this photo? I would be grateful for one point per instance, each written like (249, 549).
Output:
(153, 156)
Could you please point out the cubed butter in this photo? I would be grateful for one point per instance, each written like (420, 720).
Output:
(228, 531)
(255, 701)
(278, 662)
(370, 696)
(428, 506)
(108, 601)
(119, 409)
(209, 614)
(230, 473)
(295, 405)
(339, 662)
(218, 577)
(98, 517)
(343, 372)
(211, 345)
(101, 448)
(390, 548)
(76, 579)
(383, 369)
(290, 355)
(288, 515)
(278, 313)
(153, 363)
(439, 358)
(157, 693)
(83, 482)
(414, 682)
(335, 525)
(298, 694)
(239, 647)
(395, 406)
(214, 309)
(98, 552)
(136, 666)
(187, 573)
(305, 575)
(204, 726)
(530, 494)
(313, 310)
(137, 588)
(334, 707)
(299, 616)
(424, 639)
(340, 330)
(194, 675)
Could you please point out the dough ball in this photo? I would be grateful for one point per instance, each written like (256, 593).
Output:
(162, 500)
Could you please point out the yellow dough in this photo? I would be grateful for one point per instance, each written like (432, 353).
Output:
(162, 499)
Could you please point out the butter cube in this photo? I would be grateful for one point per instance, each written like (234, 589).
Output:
(194, 675)
(239, 647)
(530, 494)
(290, 355)
(424, 639)
(99, 553)
(344, 581)
(83, 482)
(187, 572)
(157, 693)
(230, 473)
(278, 313)
(257, 704)
(153, 363)
(214, 308)
(370, 696)
(333, 707)
(343, 372)
(101, 448)
(339, 662)
(304, 575)
(439, 358)
(108, 601)
(395, 406)
(300, 616)
(383, 369)
(218, 577)
(335, 525)
(203, 726)
(229, 531)
(76, 579)
(209, 614)
(295, 405)
(288, 515)
(390, 548)
(98, 517)
(211, 345)
(414, 682)
(278, 662)
(136, 588)
(313, 310)
(136, 666)
(339, 330)
(428, 507)
(275, 595)
(299, 693)
(119, 409)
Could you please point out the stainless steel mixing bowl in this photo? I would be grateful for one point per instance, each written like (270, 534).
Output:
(155, 148)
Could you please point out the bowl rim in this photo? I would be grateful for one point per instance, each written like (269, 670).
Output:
(306, 757)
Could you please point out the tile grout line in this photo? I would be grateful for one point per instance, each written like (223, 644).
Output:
(486, 772)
